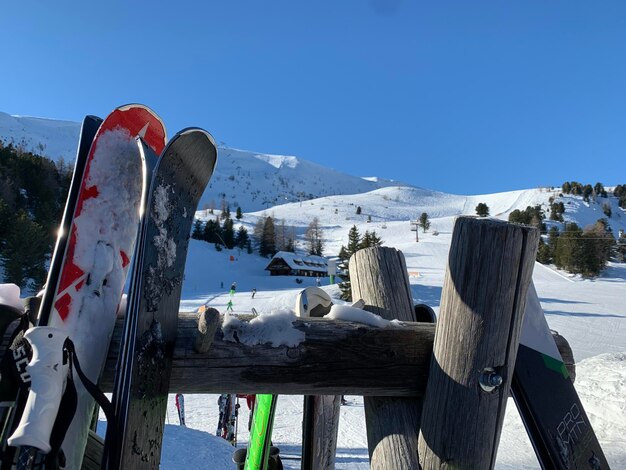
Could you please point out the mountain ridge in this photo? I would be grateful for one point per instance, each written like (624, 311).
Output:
(278, 179)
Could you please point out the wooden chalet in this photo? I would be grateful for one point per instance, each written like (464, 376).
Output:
(285, 263)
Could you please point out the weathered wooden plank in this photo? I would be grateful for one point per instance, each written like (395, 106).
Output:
(319, 453)
(93, 452)
(379, 277)
(483, 301)
(336, 358)
(409, 349)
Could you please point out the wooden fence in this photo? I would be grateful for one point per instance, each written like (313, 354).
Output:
(423, 403)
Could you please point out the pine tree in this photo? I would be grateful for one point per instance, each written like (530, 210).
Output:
(566, 188)
(212, 232)
(543, 253)
(482, 209)
(365, 241)
(424, 222)
(375, 240)
(568, 248)
(354, 241)
(33, 191)
(228, 233)
(267, 245)
(198, 230)
(599, 191)
(239, 214)
(241, 238)
(24, 252)
(553, 236)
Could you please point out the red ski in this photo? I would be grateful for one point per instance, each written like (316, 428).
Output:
(87, 291)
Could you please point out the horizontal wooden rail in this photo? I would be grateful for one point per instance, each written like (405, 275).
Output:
(336, 358)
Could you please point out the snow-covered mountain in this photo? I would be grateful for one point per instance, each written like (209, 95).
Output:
(251, 180)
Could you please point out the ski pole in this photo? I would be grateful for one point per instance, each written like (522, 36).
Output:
(48, 369)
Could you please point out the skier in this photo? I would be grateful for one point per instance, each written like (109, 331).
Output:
(253, 292)
(233, 288)
(229, 306)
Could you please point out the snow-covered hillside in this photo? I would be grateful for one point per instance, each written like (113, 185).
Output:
(390, 209)
(251, 180)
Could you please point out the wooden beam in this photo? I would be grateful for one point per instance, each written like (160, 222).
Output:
(379, 277)
(483, 300)
(335, 358)
(372, 362)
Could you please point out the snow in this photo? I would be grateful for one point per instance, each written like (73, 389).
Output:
(275, 328)
(160, 213)
(10, 295)
(348, 313)
(589, 313)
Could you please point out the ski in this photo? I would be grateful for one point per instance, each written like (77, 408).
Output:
(544, 394)
(228, 404)
(142, 382)
(14, 395)
(259, 446)
(180, 407)
(81, 299)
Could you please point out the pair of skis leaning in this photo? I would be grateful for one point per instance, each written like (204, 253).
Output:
(169, 200)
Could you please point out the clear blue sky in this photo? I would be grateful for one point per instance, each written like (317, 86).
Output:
(467, 97)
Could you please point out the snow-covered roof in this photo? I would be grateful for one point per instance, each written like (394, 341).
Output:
(300, 262)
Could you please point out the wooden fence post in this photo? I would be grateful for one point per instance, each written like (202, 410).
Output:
(379, 277)
(482, 304)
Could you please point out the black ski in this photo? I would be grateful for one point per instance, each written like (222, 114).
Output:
(549, 406)
(142, 383)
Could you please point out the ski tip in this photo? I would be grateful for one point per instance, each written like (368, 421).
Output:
(130, 106)
(92, 118)
(191, 130)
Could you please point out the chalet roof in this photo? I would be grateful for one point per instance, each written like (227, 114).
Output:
(300, 262)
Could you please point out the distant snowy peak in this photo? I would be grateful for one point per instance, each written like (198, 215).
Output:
(279, 161)
(256, 181)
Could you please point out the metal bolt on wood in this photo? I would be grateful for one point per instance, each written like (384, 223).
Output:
(490, 380)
